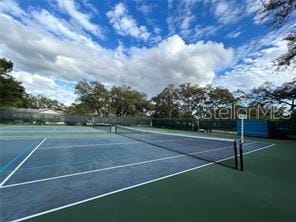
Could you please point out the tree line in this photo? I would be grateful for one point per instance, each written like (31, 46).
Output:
(184, 101)
(173, 101)
(94, 97)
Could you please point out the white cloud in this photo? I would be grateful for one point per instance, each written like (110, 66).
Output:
(157, 30)
(234, 34)
(38, 52)
(173, 61)
(204, 31)
(47, 52)
(186, 22)
(181, 17)
(254, 64)
(35, 84)
(248, 76)
(252, 6)
(227, 11)
(125, 25)
(144, 8)
(57, 26)
(170, 23)
(254, 48)
(81, 19)
(11, 8)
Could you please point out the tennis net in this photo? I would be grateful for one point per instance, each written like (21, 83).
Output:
(215, 150)
(103, 126)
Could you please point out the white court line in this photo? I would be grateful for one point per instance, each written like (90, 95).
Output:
(109, 193)
(59, 136)
(114, 167)
(5, 127)
(50, 130)
(21, 163)
(110, 144)
(262, 148)
(123, 189)
(83, 145)
(174, 134)
(54, 129)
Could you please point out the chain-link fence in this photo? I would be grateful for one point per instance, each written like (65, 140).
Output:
(277, 129)
(178, 124)
(282, 130)
(32, 116)
(217, 125)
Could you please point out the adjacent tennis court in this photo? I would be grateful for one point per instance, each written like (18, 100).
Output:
(55, 167)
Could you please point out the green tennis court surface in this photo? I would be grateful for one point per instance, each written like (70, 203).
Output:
(107, 177)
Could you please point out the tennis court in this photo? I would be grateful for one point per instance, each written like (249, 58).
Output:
(47, 168)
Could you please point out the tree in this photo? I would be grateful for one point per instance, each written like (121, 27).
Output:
(80, 108)
(127, 101)
(259, 101)
(277, 12)
(166, 103)
(286, 94)
(259, 96)
(282, 98)
(41, 101)
(94, 96)
(5, 67)
(12, 92)
(220, 97)
(191, 99)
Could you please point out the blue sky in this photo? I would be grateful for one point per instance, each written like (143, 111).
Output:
(144, 44)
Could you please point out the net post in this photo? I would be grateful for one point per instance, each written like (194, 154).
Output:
(103, 126)
(241, 156)
(115, 129)
(242, 117)
(235, 154)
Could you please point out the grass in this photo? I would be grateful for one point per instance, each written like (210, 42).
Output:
(265, 191)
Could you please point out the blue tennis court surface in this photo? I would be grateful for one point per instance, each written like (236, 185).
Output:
(40, 174)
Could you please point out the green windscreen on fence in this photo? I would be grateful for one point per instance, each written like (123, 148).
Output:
(35, 116)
